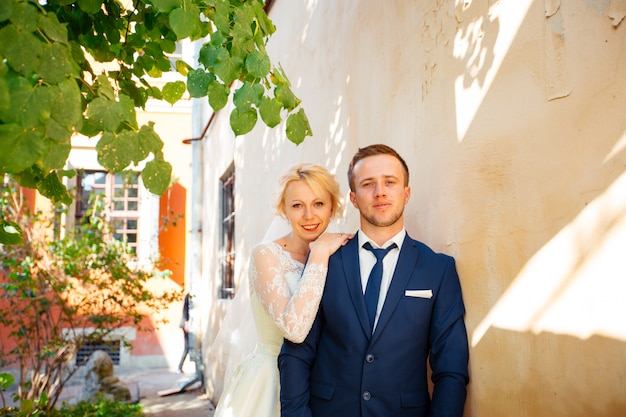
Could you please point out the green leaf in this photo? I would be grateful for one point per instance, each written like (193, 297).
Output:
(265, 23)
(284, 94)
(279, 77)
(54, 189)
(207, 55)
(247, 95)
(182, 67)
(108, 114)
(166, 6)
(298, 127)
(218, 95)
(128, 110)
(56, 154)
(226, 67)
(68, 111)
(20, 148)
(270, 111)
(153, 49)
(104, 87)
(156, 176)
(90, 128)
(173, 91)
(240, 48)
(55, 131)
(20, 91)
(242, 18)
(128, 142)
(30, 177)
(105, 114)
(5, 102)
(21, 49)
(10, 234)
(168, 45)
(6, 10)
(51, 27)
(56, 63)
(258, 64)
(38, 107)
(218, 39)
(90, 7)
(242, 121)
(184, 22)
(25, 17)
(198, 82)
(221, 16)
(149, 141)
(113, 153)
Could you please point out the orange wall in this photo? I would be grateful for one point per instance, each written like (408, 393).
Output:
(172, 235)
(30, 196)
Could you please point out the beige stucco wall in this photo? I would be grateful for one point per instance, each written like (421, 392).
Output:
(511, 116)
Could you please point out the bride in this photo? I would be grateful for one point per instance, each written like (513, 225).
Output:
(287, 278)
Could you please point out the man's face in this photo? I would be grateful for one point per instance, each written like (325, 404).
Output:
(379, 192)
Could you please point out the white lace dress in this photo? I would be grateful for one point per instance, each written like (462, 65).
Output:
(284, 297)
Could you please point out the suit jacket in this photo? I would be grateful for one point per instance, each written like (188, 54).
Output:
(341, 369)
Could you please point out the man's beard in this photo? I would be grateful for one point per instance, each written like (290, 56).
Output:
(386, 221)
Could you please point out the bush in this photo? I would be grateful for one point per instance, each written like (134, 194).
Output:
(103, 407)
(58, 295)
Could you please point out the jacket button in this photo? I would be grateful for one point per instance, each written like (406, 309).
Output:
(367, 396)
(369, 358)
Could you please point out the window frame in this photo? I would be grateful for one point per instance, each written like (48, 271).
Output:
(119, 218)
(227, 234)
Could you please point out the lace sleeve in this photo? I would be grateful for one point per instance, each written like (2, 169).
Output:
(290, 300)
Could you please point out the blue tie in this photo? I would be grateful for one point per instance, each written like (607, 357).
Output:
(372, 290)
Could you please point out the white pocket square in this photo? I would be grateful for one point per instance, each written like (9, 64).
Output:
(419, 293)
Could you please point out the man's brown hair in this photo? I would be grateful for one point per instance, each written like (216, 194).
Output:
(372, 150)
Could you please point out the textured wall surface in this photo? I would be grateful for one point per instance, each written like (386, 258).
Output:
(511, 115)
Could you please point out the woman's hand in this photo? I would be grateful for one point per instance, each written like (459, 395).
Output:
(328, 243)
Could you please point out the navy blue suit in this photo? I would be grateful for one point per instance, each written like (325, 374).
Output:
(341, 369)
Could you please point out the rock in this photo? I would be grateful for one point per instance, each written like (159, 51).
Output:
(99, 379)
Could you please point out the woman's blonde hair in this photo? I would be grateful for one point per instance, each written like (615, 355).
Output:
(315, 176)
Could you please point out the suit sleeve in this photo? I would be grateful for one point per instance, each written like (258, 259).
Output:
(294, 363)
(449, 352)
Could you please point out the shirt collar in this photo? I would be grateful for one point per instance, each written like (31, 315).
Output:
(397, 239)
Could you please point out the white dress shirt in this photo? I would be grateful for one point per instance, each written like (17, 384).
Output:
(367, 260)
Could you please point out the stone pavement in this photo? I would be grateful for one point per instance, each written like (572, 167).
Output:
(152, 387)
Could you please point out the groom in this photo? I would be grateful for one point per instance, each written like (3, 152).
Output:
(390, 305)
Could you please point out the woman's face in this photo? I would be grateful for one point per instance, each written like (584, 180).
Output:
(307, 213)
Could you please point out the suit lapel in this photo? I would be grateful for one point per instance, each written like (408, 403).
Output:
(352, 274)
(404, 269)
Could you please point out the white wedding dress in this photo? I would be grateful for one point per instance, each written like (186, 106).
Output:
(284, 297)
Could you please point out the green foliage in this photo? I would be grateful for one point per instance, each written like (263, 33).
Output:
(85, 66)
(57, 295)
(6, 380)
(103, 407)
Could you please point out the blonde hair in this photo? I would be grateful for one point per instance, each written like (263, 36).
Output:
(315, 176)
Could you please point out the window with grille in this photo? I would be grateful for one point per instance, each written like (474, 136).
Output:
(111, 347)
(227, 235)
(120, 198)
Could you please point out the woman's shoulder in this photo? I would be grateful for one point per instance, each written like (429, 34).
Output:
(265, 247)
